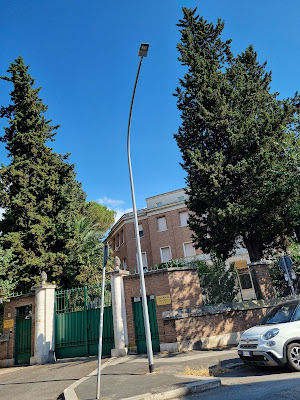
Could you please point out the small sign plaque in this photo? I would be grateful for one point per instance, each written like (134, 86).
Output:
(8, 323)
(163, 299)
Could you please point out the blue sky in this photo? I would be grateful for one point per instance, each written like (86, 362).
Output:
(84, 55)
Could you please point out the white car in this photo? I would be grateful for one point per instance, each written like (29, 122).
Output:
(276, 341)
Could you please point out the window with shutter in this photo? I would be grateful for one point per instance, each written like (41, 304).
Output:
(165, 254)
(144, 260)
(141, 232)
(184, 216)
(189, 249)
(161, 224)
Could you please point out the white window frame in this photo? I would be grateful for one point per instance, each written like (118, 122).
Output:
(140, 228)
(161, 257)
(183, 212)
(159, 204)
(146, 259)
(184, 252)
(162, 230)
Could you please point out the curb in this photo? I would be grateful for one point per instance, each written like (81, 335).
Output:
(187, 389)
(190, 388)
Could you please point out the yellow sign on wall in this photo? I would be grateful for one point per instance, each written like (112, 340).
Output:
(163, 299)
(8, 323)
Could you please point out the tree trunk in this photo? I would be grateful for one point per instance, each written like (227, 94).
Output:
(252, 246)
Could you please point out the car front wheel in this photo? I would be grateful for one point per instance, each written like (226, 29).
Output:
(293, 356)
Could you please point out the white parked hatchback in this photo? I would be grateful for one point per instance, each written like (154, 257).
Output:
(276, 341)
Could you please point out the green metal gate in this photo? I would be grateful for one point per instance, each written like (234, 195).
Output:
(23, 336)
(139, 326)
(77, 322)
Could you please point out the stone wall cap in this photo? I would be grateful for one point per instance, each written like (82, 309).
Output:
(164, 270)
(191, 267)
(18, 296)
(118, 272)
(44, 286)
(156, 271)
(257, 263)
(223, 308)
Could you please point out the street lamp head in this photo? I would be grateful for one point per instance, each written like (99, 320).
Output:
(143, 50)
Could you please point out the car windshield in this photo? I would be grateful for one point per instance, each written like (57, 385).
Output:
(280, 314)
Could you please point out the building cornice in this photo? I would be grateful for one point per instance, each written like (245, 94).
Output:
(165, 208)
(165, 194)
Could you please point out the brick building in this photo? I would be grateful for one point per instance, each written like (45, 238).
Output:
(165, 236)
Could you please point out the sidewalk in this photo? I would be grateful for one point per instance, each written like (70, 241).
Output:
(128, 377)
(43, 382)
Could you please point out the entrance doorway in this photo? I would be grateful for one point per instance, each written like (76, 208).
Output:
(139, 326)
(23, 335)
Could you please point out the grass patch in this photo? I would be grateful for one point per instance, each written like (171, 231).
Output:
(201, 371)
(204, 371)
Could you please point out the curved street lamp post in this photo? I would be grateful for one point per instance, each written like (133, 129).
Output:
(142, 53)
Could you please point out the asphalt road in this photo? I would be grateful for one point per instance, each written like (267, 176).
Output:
(250, 384)
(45, 382)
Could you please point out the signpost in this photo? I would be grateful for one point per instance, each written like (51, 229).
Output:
(286, 264)
(105, 258)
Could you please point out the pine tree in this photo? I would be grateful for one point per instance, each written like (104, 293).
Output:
(38, 189)
(233, 139)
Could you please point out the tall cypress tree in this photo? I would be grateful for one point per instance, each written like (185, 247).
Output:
(38, 188)
(234, 144)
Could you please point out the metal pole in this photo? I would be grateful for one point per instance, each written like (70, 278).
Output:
(105, 257)
(289, 278)
(137, 237)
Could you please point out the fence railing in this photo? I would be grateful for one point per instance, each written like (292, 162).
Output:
(220, 287)
(78, 299)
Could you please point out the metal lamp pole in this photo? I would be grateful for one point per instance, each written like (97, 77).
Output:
(142, 53)
(105, 259)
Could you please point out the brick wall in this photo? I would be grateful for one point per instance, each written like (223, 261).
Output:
(185, 322)
(157, 284)
(262, 280)
(184, 287)
(181, 284)
(7, 347)
(213, 326)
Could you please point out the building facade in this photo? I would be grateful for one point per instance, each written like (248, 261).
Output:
(164, 236)
(163, 230)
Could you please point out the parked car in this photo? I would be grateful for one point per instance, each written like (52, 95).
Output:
(276, 341)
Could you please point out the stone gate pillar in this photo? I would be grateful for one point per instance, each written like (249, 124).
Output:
(119, 311)
(44, 342)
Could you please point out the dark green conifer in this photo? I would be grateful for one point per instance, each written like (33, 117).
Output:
(234, 142)
(38, 188)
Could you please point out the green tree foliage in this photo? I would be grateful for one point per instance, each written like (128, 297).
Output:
(281, 286)
(239, 144)
(38, 188)
(6, 280)
(85, 249)
(218, 282)
(100, 215)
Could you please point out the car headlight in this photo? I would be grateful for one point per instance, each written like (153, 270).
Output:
(270, 334)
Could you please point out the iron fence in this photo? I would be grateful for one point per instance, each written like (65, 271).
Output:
(78, 299)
